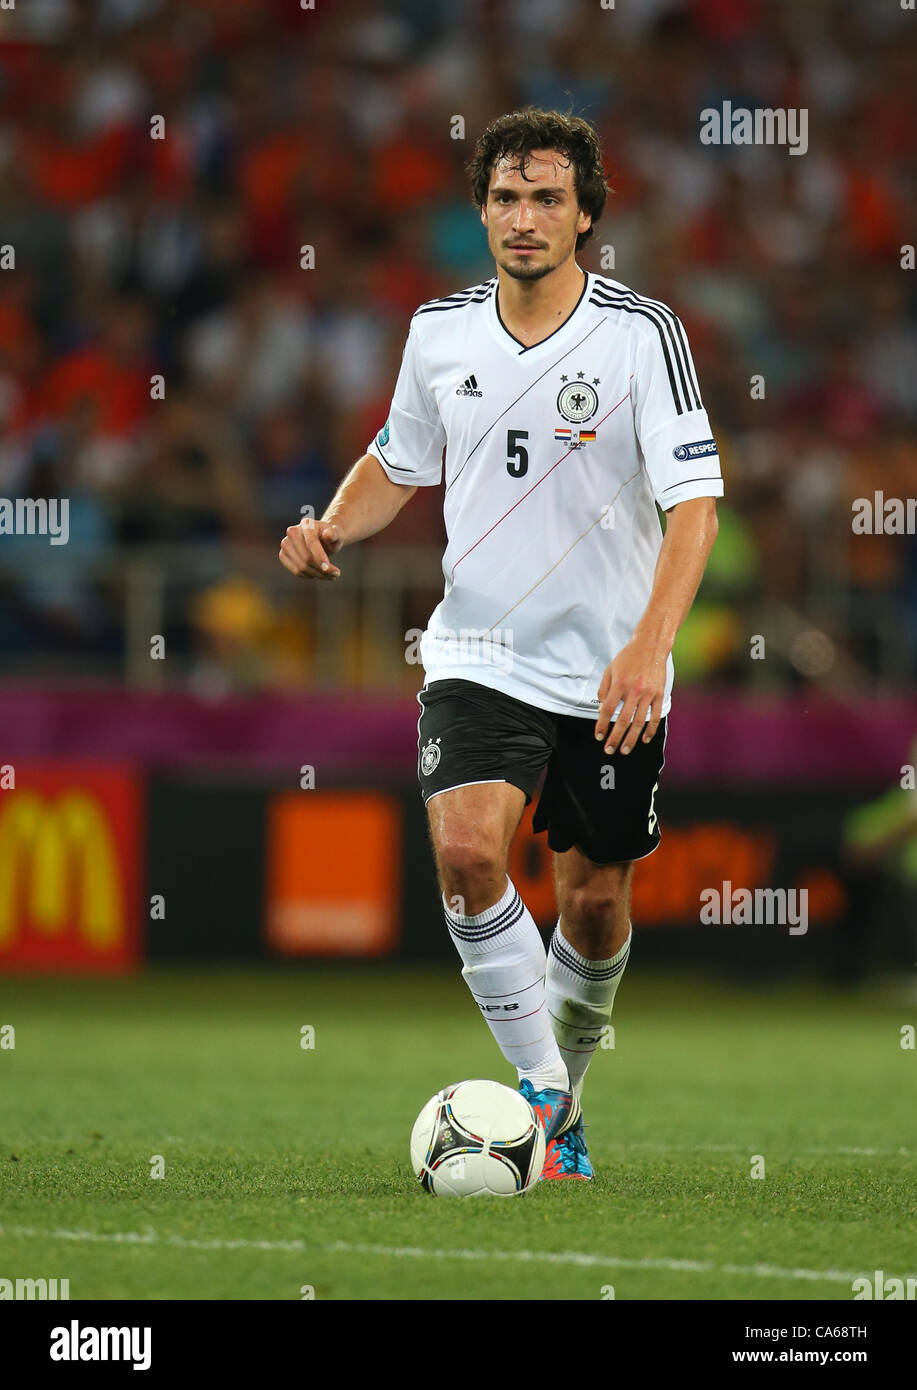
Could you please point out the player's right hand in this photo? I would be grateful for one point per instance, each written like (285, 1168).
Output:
(306, 549)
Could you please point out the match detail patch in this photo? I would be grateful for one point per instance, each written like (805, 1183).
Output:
(700, 449)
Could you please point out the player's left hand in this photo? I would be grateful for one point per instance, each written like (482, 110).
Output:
(636, 677)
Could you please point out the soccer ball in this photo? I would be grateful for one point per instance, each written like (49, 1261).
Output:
(476, 1137)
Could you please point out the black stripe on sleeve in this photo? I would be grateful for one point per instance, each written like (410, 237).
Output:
(645, 313)
(676, 332)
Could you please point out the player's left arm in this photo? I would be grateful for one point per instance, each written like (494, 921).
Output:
(682, 468)
(637, 674)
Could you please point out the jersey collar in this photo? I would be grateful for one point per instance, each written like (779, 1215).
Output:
(513, 346)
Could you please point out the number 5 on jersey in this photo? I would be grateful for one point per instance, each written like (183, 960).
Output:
(517, 462)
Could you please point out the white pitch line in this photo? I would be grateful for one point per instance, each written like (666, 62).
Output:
(582, 1259)
(842, 1152)
(869, 1153)
(151, 1238)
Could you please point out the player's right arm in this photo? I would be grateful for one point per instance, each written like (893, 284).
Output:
(365, 503)
(407, 453)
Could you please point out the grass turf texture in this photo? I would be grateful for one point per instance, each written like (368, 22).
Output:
(302, 1155)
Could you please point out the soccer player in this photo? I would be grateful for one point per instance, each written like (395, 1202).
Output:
(565, 407)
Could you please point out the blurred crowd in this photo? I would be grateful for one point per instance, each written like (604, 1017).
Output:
(172, 361)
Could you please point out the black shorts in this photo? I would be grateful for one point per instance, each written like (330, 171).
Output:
(604, 803)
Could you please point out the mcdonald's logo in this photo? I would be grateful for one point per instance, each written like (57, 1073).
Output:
(70, 870)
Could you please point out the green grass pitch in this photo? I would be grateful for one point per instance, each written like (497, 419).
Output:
(287, 1167)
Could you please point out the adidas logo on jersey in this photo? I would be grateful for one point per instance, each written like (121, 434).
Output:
(469, 387)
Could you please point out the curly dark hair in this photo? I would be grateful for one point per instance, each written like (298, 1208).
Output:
(532, 128)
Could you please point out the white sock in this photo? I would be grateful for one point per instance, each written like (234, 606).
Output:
(503, 961)
(580, 995)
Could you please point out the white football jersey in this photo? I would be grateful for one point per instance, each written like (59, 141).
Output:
(555, 458)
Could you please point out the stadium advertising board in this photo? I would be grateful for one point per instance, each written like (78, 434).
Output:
(70, 869)
(333, 874)
(694, 856)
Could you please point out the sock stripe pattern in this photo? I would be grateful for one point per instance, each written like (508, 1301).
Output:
(486, 930)
(580, 995)
(589, 970)
(504, 965)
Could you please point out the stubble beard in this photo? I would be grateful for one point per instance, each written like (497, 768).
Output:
(523, 269)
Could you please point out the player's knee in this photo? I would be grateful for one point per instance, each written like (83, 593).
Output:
(594, 908)
(468, 861)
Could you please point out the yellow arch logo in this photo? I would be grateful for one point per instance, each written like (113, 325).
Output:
(52, 844)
